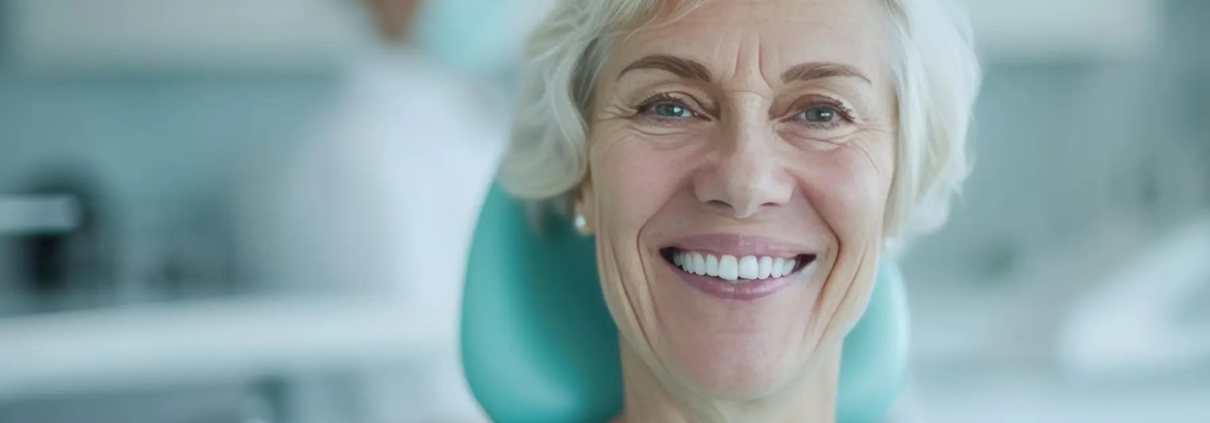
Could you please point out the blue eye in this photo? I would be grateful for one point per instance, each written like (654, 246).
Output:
(819, 114)
(670, 110)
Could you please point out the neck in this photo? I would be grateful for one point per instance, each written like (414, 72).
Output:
(653, 399)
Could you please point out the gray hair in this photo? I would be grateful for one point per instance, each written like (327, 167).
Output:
(936, 75)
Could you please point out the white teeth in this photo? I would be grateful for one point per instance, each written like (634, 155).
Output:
(749, 267)
(766, 267)
(728, 268)
(735, 270)
(699, 264)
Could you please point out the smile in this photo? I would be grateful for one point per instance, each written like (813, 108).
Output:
(739, 267)
(736, 269)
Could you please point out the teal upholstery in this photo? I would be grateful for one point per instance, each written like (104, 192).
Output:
(538, 344)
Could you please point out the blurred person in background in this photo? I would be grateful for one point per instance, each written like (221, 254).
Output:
(384, 199)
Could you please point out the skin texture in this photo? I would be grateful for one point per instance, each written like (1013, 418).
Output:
(807, 163)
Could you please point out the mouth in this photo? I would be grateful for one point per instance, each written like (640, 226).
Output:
(736, 269)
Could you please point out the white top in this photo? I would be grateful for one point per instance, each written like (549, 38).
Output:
(384, 201)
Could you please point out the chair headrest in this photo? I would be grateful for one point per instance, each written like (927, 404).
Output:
(538, 344)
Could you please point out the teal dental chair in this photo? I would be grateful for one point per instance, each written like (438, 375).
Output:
(539, 346)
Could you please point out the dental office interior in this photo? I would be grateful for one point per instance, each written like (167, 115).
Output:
(226, 211)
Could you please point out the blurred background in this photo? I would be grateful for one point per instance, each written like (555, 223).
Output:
(205, 215)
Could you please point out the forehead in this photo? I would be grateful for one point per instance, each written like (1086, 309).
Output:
(729, 36)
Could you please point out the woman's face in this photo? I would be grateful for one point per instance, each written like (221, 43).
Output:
(740, 162)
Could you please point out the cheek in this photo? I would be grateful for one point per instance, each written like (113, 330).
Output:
(631, 180)
(849, 188)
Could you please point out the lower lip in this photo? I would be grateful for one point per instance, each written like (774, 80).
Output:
(722, 289)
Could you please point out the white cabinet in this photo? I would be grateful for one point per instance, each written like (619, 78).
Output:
(91, 35)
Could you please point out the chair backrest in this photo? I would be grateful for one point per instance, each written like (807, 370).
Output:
(539, 346)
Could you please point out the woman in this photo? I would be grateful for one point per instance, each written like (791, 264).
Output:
(742, 165)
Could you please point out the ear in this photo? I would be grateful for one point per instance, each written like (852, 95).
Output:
(585, 206)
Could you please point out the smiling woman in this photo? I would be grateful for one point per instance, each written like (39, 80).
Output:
(742, 165)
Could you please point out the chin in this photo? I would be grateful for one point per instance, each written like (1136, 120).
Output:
(735, 313)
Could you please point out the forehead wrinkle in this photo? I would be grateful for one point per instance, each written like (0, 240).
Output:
(821, 41)
(770, 61)
(751, 36)
(721, 46)
(748, 65)
(798, 12)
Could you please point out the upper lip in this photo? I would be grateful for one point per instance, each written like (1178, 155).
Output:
(740, 245)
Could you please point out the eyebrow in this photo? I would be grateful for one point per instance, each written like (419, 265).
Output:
(690, 69)
(684, 68)
(810, 71)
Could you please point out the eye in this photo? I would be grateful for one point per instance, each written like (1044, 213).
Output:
(667, 107)
(819, 115)
(820, 118)
(672, 110)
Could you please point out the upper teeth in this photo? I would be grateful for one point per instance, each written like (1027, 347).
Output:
(732, 269)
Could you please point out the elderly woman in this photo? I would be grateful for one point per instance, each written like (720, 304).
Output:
(742, 166)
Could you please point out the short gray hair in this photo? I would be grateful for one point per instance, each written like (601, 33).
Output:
(936, 74)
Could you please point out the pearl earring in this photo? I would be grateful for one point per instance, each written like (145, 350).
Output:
(581, 223)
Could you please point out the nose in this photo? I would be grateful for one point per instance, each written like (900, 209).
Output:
(743, 173)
